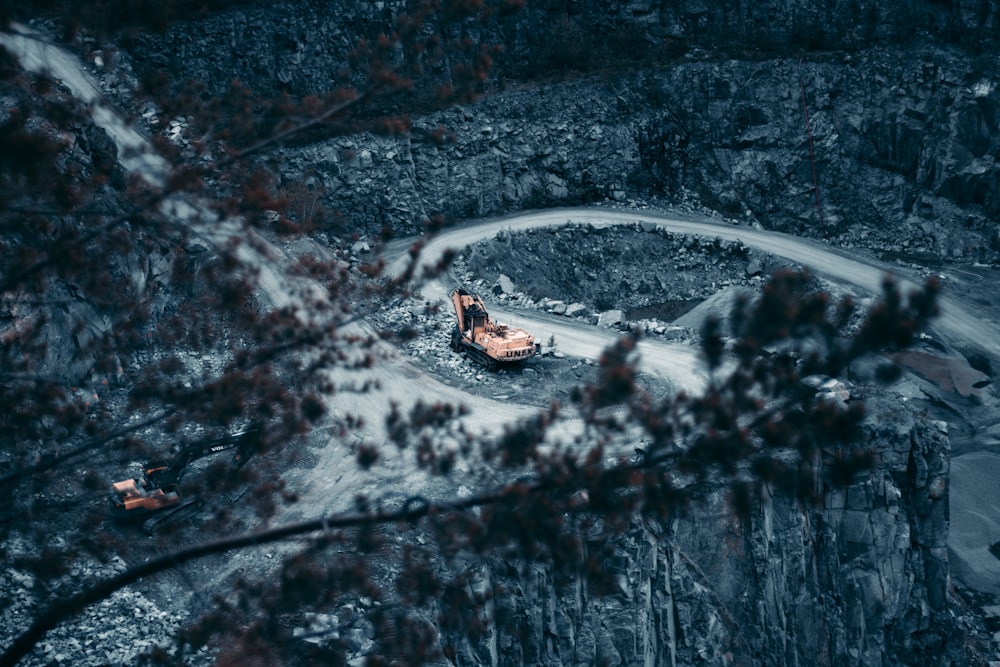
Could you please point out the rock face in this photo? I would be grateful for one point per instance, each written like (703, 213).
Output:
(874, 138)
(901, 150)
(860, 580)
(298, 47)
(646, 274)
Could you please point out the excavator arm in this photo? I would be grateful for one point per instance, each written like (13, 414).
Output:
(157, 488)
(171, 472)
(456, 301)
(468, 306)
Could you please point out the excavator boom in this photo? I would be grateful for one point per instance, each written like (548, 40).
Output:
(156, 490)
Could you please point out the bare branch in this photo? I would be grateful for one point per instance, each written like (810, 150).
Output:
(54, 461)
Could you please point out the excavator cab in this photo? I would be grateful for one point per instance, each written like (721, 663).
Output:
(139, 496)
(477, 324)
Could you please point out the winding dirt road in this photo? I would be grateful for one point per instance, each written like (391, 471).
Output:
(956, 324)
(975, 514)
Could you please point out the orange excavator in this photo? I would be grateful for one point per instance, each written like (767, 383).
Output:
(484, 339)
(157, 489)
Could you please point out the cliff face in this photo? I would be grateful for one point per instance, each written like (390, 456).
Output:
(887, 137)
(299, 47)
(860, 580)
(777, 25)
(897, 153)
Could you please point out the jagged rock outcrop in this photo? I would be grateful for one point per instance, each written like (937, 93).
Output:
(902, 152)
(647, 273)
(861, 580)
(298, 47)
(897, 153)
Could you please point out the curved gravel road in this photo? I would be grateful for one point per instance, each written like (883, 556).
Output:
(975, 517)
(955, 323)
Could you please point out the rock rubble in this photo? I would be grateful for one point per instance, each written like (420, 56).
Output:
(115, 631)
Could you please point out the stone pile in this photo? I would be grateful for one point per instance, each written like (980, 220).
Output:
(583, 272)
(115, 631)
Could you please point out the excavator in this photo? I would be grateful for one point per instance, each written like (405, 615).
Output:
(484, 339)
(155, 497)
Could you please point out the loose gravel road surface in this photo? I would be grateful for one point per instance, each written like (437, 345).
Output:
(964, 329)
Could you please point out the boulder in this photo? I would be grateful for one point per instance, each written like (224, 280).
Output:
(610, 318)
(505, 284)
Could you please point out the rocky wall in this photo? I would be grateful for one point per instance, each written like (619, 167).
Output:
(862, 137)
(862, 579)
(896, 154)
(299, 46)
